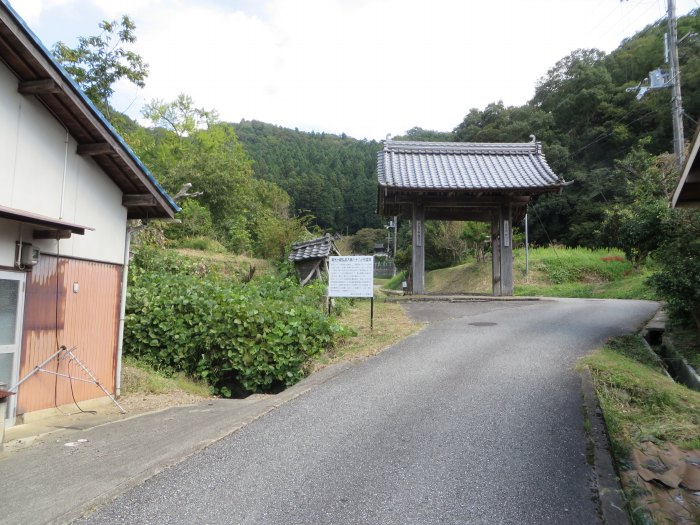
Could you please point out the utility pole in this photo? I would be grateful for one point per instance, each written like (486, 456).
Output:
(676, 101)
(659, 79)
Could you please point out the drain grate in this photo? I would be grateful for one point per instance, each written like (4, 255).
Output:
(483, 323)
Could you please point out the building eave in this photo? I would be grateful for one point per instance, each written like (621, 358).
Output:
(41, 77)
(687, 194)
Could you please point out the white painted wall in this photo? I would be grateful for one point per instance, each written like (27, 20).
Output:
(9, 233)
(33, 146)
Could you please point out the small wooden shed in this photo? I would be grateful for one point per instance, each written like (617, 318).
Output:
(311, 257)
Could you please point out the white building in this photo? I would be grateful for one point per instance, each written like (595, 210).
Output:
(68, 184)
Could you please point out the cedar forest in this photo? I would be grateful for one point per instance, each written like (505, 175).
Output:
(257, 187)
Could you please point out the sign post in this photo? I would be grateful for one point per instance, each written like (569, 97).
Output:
(352, 276)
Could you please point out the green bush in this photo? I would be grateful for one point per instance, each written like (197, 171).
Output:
(195, 221)
(252, 337)
(678, 258)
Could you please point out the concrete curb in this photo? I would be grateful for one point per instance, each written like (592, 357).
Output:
(611, 499)
(686, 373)
(456, 298)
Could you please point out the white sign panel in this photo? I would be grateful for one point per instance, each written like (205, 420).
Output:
(351, 276)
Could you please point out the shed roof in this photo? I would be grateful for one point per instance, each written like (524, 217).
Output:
(687, 194)
(41, 76)
(318, 248)
(465, 166)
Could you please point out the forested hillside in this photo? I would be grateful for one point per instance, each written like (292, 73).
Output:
(254, 188)
(262, 184)
(329, 177)
(593, 131)
(596, 133)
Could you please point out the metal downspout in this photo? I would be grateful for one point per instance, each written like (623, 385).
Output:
(122, 313)
(122, 307)
(65, 172)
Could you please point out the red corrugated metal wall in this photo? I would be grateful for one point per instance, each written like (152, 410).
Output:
(54, 315)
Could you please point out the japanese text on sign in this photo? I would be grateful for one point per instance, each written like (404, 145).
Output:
(351, 276)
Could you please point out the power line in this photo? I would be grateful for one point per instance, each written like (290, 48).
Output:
(608, 134)
(608, 23)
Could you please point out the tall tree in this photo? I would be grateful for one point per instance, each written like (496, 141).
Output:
(180, 115)
(98, 62)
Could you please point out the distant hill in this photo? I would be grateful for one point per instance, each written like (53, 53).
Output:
(331, 177)
(593, 132)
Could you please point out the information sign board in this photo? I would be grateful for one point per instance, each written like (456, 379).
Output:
(351, 276)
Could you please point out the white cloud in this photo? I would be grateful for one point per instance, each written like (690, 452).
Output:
(32, 10)
(114, 10)
(365, 67)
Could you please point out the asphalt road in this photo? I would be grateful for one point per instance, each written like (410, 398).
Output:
(475, 420)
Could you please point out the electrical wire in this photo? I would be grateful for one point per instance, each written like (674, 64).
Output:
(70, 380)
(608, 134)
(608, 23)
(551, 244)
(595, 29)
(59, 347)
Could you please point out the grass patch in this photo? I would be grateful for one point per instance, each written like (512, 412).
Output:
(562, 264)
(138, 377)
(639, 402)
(472, 277)
(553, 272)
(228, 264)
(201, 244)
(632, 286)
(647, 414)
(391, 324)
(580, 272)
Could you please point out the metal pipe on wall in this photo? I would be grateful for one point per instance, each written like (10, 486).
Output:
(122, 307)
(65, 172)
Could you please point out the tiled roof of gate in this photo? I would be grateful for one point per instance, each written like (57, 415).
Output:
(315, 249)
(464, 166)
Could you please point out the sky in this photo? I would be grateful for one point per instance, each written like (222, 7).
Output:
(366, 68)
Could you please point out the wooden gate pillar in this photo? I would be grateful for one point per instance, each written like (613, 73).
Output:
(418, 251)
(506, 250)
(496, 252)
(502, 244)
